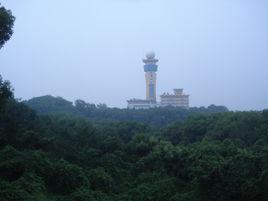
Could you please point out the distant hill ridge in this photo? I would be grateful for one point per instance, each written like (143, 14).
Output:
(155, 117)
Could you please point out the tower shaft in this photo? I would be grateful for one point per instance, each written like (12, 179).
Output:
(150, 78)
(150, 69)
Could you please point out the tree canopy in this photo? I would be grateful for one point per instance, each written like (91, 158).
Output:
(52, 150)
(155, 117)
(68, 157)
(6, 25)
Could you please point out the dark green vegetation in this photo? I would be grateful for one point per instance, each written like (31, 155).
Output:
(222, 156)
(157, 117)
(6, 25)
(88, 153)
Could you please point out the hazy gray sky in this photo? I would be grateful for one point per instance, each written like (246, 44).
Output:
(217, 50)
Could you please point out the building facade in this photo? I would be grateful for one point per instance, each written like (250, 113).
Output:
(140, 104)
(178, 99)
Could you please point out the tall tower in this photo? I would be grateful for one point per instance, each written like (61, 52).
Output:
(150, 69)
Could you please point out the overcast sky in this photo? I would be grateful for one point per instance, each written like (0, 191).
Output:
(217, 50)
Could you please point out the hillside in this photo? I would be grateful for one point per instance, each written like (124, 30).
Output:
(157, 117)
(52, 149)
(206, 157)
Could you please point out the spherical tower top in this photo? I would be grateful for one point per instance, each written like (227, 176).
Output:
(150, 62)
(150, 55)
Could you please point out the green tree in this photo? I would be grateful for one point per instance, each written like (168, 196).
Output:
(6, 25)
(6, 92)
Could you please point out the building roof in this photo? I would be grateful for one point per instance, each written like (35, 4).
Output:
(134, 100)
(173, 95)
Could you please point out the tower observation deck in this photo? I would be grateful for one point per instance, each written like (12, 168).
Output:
(150, 69)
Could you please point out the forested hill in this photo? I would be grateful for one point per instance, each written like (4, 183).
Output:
(210, 157)
(157, 117)
(96, 153)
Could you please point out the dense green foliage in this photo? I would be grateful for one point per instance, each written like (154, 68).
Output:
(157, 117)
(67, 157)
(94, 153)
(5, 92)
(6, 25)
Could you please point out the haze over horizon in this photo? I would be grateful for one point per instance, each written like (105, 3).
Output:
(93, 50)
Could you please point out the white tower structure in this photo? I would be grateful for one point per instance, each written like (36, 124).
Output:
(178, 99)
(150, 69)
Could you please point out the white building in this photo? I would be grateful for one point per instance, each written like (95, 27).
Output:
(141, 104)
(178, 99)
